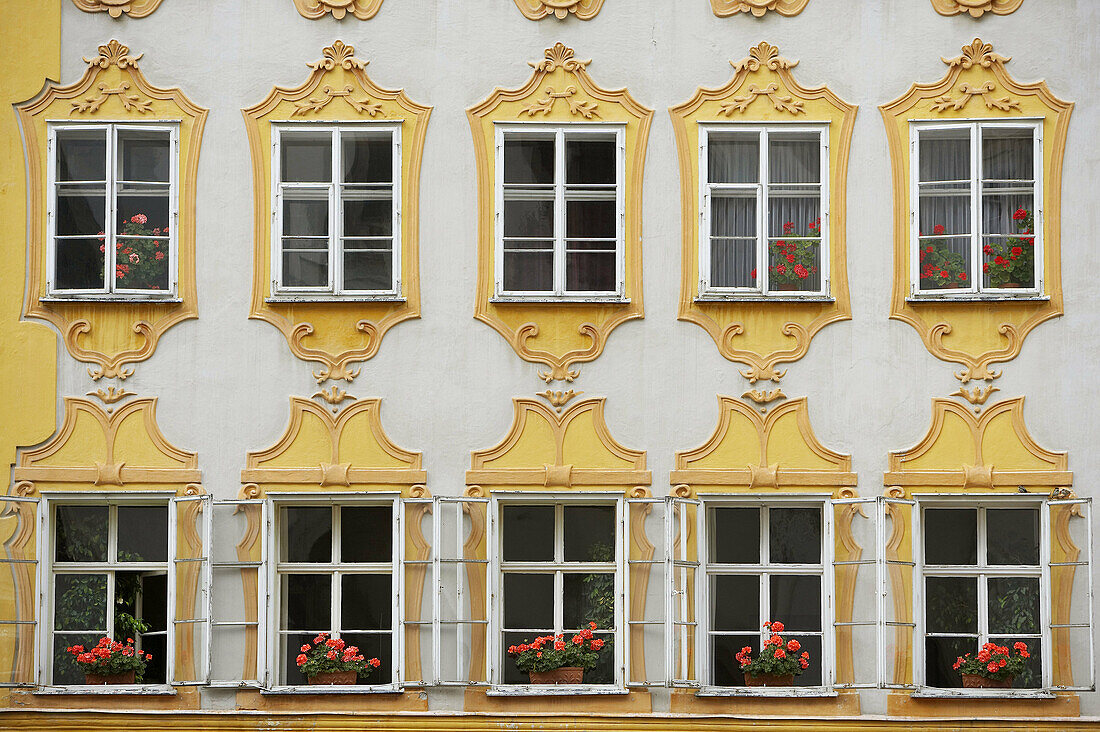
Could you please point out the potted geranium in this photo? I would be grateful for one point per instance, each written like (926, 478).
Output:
(141, 262)
(994, 667)
(793, 260)
(941, 268)
(110, 662)
(778, 662)
(1010, 263)
(553, 659)
(331, 661)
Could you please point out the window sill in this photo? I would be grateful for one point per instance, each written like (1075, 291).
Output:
(288, 299)
(930, 298)
(932, 693)
(785, 692)
(108, 689)
(814, 298)
(325, 689)
(556, 690)
(112, 298)
(541, 299)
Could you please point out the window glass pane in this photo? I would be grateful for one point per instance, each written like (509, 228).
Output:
(588, 598)
(725, 668)
(589, 533)
(307, 599)
(374, 645)
(366, 534)
(289, 648)
(794, 238)
(1013, 605)
(794, 535)
(80, 602)
(367, 269)
(590, 271)
(945, 155)
(526, 270)
(128, 609)
(1012, 536)
(950, 536)
(305, 214)
(733, 157)
(940, 655)
(304, 268)
(528, 159)
(368, 157)
(528, 601)
(307, 534)
(143, 155)
(590, 219)
(1008, 154)
(529, 218)
(735, 602)
(1008, 242)
(80, 210)
(811, 644)
(951, 605)
(142, 208)
(604, 671)
(79, 264)
(944, 263)
(142, 533)
(141, 263)
(794, 157)
(528, 534)
(366, 602)
(154, 601)
(590, 159)
(796, 601)
(511, 674)
(65, 670)
(81, 533)
(306, 157)
(156, 670)
(82, 155)
(733, 239)
(367, 214)
(735, 536)
(1032, 676)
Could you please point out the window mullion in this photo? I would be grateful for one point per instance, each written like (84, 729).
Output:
(764, 602)
(110, 256)
(337, 577)
(977, 279)
(559, 212)
(336, 222)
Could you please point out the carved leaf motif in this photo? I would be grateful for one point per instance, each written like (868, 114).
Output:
(781, 102)
(725, 8)
(763, 54)
(115, 8)
(967, 92)
(314, 9)
(130, 102)
(560, 9)
(584, 109)
(978, 52)
(559, 56)
(541, 106)
(114, 54)
(338, 54)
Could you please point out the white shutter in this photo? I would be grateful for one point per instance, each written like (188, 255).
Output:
(19, 522)
(1068, 526)
(237, 597)
(684, 520)
(856, 582)
(646, 562)
(897, 627)
(462, 645)
(419, 600)
(188, 588)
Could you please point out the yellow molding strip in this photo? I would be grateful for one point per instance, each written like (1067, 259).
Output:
(783, 477)
(316, 475)
(958, 478)
(70, 474)
(578, 476)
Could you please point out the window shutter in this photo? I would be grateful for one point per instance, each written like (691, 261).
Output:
(646, 561)
(896, 580)
(1070, 661)
(461, 541)
(237, 598)
(683, 523)
(856, 600)
(189, 528)
(19, 568)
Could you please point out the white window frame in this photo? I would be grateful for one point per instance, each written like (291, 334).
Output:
(275, 569)
(47, 569)
(934, 501)
(110, 291)
(704, 667)
(974, 290)
(334, 290)
(496, 572)
(560, 132)
(761, 187)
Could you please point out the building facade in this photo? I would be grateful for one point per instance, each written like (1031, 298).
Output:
(420, 324)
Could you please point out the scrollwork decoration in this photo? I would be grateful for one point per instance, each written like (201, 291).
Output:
(560, 9)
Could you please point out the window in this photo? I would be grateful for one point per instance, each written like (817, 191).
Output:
(977, 228)
(559, 570)
(560, 211)
(337, 210)
(764, 211)
(108, 577)
(112, 209)
(982, 581)
(763, 563)
(335, 575)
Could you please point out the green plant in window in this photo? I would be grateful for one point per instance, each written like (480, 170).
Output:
(599, 588)
(941, 267)
(1011, 262)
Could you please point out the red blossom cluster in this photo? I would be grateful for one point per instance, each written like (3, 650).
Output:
(994, 659)
(795, 257)
(548, 652)
(774, 659)
(558, 642)
(105, 649)
(334, 649)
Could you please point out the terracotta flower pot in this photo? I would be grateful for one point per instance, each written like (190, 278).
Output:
(974, 681)
(334, 678)
(563, 675)
(126, 677)
(769, 680)
(788, 287)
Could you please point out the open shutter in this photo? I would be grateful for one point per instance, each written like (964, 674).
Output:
(1070, 663)
(418, 613)
(237, 599)
(189, 528)
(461, 542)
(19, 522)
(684, 519)
(856, 581)
(645, 592)
(897, 528)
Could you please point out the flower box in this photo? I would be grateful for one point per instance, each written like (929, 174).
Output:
(124, 677)
(555, 659)
(561, 675)
(332, 662)
(777, 664)
(334, 678)
(993, 667)
(769, 680)
(110, 662)
(974, 681)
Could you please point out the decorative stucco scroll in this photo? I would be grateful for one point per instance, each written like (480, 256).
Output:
(314, 9)
(116, 8)
(976, 8)
(538, 9)
(726, 8)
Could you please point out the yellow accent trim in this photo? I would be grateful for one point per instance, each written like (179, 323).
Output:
(976, 7)
(636, 701)
(115, 8)
(350, 703)
(111, 334)
(1054, 714)
(764, 334)
(980, 334)
(538, 9)
(314, 9)
(340, 333)
(558, 335)
(685, 701)
(726, 8)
